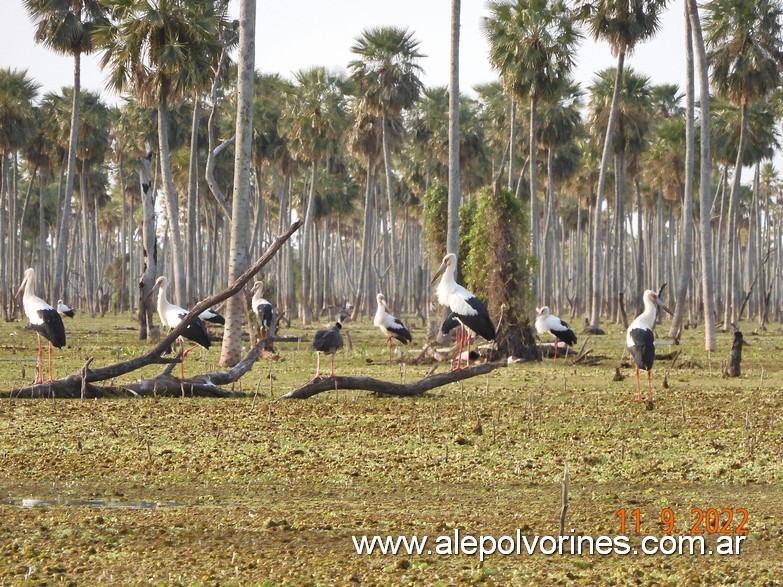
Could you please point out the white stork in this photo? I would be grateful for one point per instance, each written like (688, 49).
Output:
(209, 315)
(171, 315)
(547, 322)
(466, 308)
(391, 326)
(328, 342)
(263, 308)
(43, 318)
(64, 310)
(641, 340)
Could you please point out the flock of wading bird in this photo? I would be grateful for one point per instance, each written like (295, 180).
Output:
(467, 314)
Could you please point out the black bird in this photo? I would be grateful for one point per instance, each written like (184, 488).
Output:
(44, 320)
(328, 342)
(264, 310)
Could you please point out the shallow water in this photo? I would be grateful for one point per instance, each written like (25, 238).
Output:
(31, 502)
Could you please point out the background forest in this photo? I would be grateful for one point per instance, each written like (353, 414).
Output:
(625, 185)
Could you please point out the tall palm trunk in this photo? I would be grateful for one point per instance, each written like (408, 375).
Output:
(390, 196)
(710, 342)
(512, 141)
(58, 283)
(305, 252)
(452, 232)
(548, 261)
(534, 224)
(361, 300)
(87, 260)
(595, 311)
(687, 207)
(731, 268)
(171, 205)
(192, 220)
(240, 219)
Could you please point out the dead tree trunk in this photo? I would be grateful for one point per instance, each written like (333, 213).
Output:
(415, 388)
(72, 385)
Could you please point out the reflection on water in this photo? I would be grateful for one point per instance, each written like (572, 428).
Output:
(30, 502)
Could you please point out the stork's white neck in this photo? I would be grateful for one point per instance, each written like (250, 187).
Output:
(446, 285)
(162, 301)
(29, 288)
(648, 316)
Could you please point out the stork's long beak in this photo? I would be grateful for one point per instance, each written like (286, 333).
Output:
(664, 307)
(438, 273)
(21, 288)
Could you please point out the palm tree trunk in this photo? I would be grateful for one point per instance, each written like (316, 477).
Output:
(704, 180)
(512, 143)
(150, 251)
(390, 196)
(452, 232)
(534, 224)
(87, 261)
(231, 351)
(192, 224)
(686, 260)
(171, 205)
(42, 225)
(58, 282)
(364, 266)
(307, 235)
(595, 311)
(732, 254)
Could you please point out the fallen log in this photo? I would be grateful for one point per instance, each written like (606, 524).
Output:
(162, 385)
(413, 389)
(80, 384)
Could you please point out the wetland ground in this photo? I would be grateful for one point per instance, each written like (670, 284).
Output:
(265, 491)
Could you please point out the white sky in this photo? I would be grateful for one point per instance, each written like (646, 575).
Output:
(301, 33)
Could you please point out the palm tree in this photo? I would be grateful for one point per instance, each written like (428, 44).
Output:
(386, 74)
(66, 27)
(17, 126)
(313, 122)
(561, 120)
(532, 46)
(745, 53)
(623, 24)
(158, 51)
(633, 118)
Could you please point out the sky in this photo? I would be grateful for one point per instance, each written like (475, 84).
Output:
(298, 34)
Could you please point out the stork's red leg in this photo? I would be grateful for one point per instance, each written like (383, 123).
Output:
(185, 354)
(333, 364)
(638, 386)
(467, 358)
(39, 373)
(459, 346)
(50, 361)
(556, 341)
(388, 341)
(649, 383)
(317, 365)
